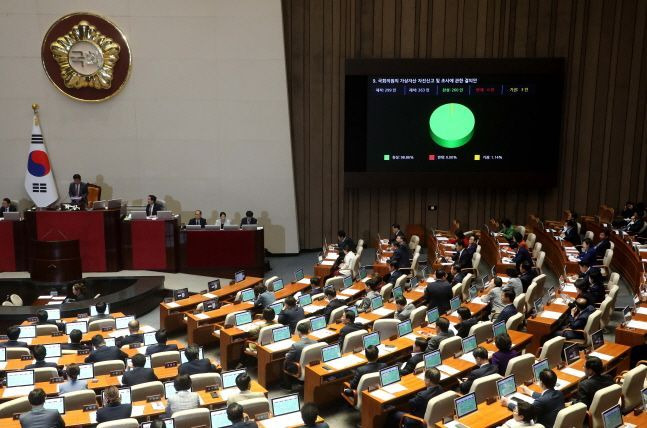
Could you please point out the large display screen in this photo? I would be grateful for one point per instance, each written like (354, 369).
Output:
(472, 121)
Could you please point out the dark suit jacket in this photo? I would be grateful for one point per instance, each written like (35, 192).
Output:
(484, 370)
(602, 248)
(13, 344)
(138, 375)
(112, 413)
(523, 255)
(393, 276)
(331, 306)
(506, 313)
(251, 221)
(597, 293)
(348, 328)
(194, 221)
(106, 353)
(588, 387)
(578, 322)
(197, 366)
(248, 424)
(73, 346)
(294, 353)
(526, 279)
(41, 418)
(463, 258)
(393, 236)
(458, 278)
(547, 405)
(418, 404)
(59, 325)
(401, 255)
(572, 236)
(410, 365)
(83, 188)
(434, 342)
(463, 328)
(291, 316)
(11, 208)
(346, 240)
(155, 208)
(365, 369)
(131, 338)
(438, 294)
(588, 257)
(153, 349)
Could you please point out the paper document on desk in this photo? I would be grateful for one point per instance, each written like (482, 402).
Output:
(118, 333)
(209, 295)
(17, 391)
(229, 392)
(147, 328)
(504, 279)
(247, 327)
(569, 288)
(381, 394)
(523, 397)
(468, 357)
(560, 301)
(411, 336)
(157, 405)
(637, 324)
(280, 346)
(441, 238)
(53, 302)
(561, 384)
(601, 356)
(343, 362)
(3, 364)
(455, 424)
(383, 312)
(350, 291)
(478, 301)
(642, 311)
(332, 256)
(172, 304)
(202, 316)
(304, 281)
(550, 314)
(44, 297)
(312, 308)
(366, 279)
(327, 263)
(93, 417)
(574, 372)
(394, 388)
(320, 334)
(58, 297)
(362, 321)
(289, 420)
(137, 411)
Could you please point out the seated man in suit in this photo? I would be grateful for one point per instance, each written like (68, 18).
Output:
(403, 309)
(509, 308)
(197, 219)
(587, 254)
(348, 320)
(439, 292)
(309, 414)
(75, 344)
(139, 373)
(462, 258)
(78, 191)
(466, 323)
(333, 302)
(527, 275)
(72, 384)
(596, 287)
(160, 346)
(13, 333)
(193, 364)
(585, 271)
(264, 296)
(7, 207)
(40, 353)
(133, 337)
(43, 319)
(442, 333)
(294, 353)
(104, 353)
(112, 409)
(372, 353)
(636, 224)
(456, 275)
(222, 220)
(401, 253)
(577, 319)
(238, 418)
(547, 403)
(571, 234)
(395, 232)
(418, 403)
(394, 273)
(595, 380)
(315, 286)
(243, 382)
(79, 292)
(152, 206)
(484, 368)
(604, 244)
(38, 416)
(522, 255)
(419, 347)
(291, 313)
(472, 244)
(248, 219)
(101, 313)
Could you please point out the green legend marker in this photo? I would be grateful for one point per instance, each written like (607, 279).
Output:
(451, 125)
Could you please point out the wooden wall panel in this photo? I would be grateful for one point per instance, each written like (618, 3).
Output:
(604, 135)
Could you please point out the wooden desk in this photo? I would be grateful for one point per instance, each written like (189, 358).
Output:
(639, 420)
(540, 327)
(487, 415)
(150, 244)
(555, 250)
(74, 319)
(633, 336)
(13, 246)
(199, 327)
(323, 271)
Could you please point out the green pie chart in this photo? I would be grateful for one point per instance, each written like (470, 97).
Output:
(451, 125)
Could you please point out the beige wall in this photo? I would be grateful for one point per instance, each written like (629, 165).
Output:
(202, 123)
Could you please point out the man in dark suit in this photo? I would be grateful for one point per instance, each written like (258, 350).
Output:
(7, 207)
(372, 353)
(401, 253)
(522, 254)
(237, 417)
(587, 254)
(571, 234)
(577, 319)
(348, 319)
(418, 404)
(152, 206)
(104, 353)
(13, 333)
(291, 314)
(466, 323)
(42, 316)
(596, 291)
(547, 403)
(439, 293)
(113, 409)
(38, 416)
(75, 341)
(294, 354)
(394, 273)
(160, 346)
(78, 191)
(585, 271)
(248, 219)
(419, 347)
(333, 302)
(101, 308)
(315, 286)
(133, 337)
(462, 257)
(485, 368)
(442, 333)
(198, 220)
(604, 244)
(509, 309)
(343, 240)
(457, 275)
(40, 353)
(138, 374)
(527, 275)
(472, 245)
(594, 381)
(395, 232)
(193, 364)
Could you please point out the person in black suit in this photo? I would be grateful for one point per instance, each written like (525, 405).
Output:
(509, 309)
(456, 275)
(585, 271)
(419, 347)
(112, 409)
(522, 254)
(635, 225)
(79, 292)
(594, 381)
(604, 244)
(395, 232)
(198, 220)
(372, 353)
(577, 319)
(472, 245)
(248, 219)
(462, 257)
(418, 403)
(78, 191)
(291, 313)
(101, 308)
(527, 275)
(193, 364)
(394, 273)
(315, 286)
(104, 353)
(485, 368)
(7, 207)
(587, 253)
(348, 319)
(547, 403)
(13, 333)
(309, 414)
(160, 346)
(442, 332)
(42, 316)
(571, 234)
(597, 291)
(343, 240)
(38, 416)
(401, 253)
(40, 353)
(75, 344)
(466, 323)
(152, 206)
(439, 293)
(238, 418)
(133, 337)
(333, 302)
(138, 374)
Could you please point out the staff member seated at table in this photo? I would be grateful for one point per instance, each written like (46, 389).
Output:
(7, 207)
(505, 352)
(604, 244)
(78, 191)
(587, 254)
(13, 333)
(104, 353)
(403, 309)
(442, 333)
(571, 234)
(112, 409)
(101, 313)
(333, 302)
(394, 273)
(72, 384)
(40, 353)
(595, 381)
(309, 414)
(547, 403)
(401, 253)
(138, 374)
(238, 418)
(42, 316)
(523, 415)
(248, 219)
(222, 220)
(315, 286)
(509, 308)
(184, 399)
(577, 319)
(243, 382)
(133, 337)
(344, 266)
(585, 271)
(635, 225)
(193, 364)
(264, 296)
(38, 416)
(466, 323)
(527, 275)
(522, 255)
(294, 353)
(160, 346)
(372, 353)
(439, 292)
(348, 320)
(152, 206)
(484, 368)
(75, 344)
(197, 219)
(291, 314)
(472, 245)
(395, 232)
(418, 403)
(419, 347)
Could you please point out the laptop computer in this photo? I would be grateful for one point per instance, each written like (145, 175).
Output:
(164, 215)
(362, 273)
(397, 292)
(169, 389)
(82, 326)
(168, 423)
(149, 338)
(281, 333)
(277, 285)
(298, 275)
(432, 359)
(55, 403)
(404, 328)
(213, 285)
(219, 419)
(347, 281)
(247, 295)
(3, 354)
(99, 205)
(147, 364)
(180, 294)
(110, 341)
(86, 371)
(229, 378)
(539, 367)
(239, 276)
(93, 310)
(473, 292)
(277, 307)
(183, 358)
(465, 405)
(138, 215)
(285, 405)
(376, 303)
(52, 350)
(27, 331)
(389, 375)
(122, 322)
(626, 313)
(247, 227)
(304, 300)
(506, 386)
(330, 353)
(11, 216)
(538, 305)
(371, 339)
(432, 315)
(499, 328)
(454, 303)
(571, 354)
(53, 314)
(318, 323)
(469, 344)
(243, 318)
(20, 378)
(232, 227)
(597, 339)
(612, 418)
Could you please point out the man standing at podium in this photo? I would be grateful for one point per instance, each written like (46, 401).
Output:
(153, 206)
(78, 191)
(198, 220)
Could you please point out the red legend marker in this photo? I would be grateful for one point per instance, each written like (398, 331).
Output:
(432, 157)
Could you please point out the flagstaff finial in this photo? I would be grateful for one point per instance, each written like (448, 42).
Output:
(35, 107)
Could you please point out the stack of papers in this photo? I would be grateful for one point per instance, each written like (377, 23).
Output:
(550, 314)
(328, 263)
(137, 411)
(312, 308)
(280, 346)
(350, 291)
(320, 334)
(383, 312)
(343, 362)
(120, 332)
(209, 295)
(641, 310)
(54, 302)
(411, 336)
(574, 372)
(226, 393)
(441, 238)
(331, 256)
(523, 397)
(468, 357)
(304, 281)
(381, 394)
(637, 324)
(289, 420)
(44, 297)
(601, 356)
(394, 388)
(569, 288)
(362, 321)
(172, 304)
(17, 391)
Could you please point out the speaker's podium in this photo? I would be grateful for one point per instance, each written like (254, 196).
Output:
(55, 262)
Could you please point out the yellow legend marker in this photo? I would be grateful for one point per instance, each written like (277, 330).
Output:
(477, 157)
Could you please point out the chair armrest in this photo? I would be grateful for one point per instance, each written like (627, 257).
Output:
(538, 352)
(409, 416)
(295, 375)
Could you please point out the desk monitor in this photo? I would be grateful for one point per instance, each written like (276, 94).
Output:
(122, 322)
(278, 285)
(432, 359)
(347, 281)
(114, 203)
(12, 216)
(317, 323)
(213, 285)
(597, 339)
(286, 404)
(371, 339)
(27, 331)
(432, 315)
(485, 280)
(20, 378)
(397, 292)
(469, 344)
(362, 273)
(389, 376)
(219, 419)
(180, 294)
(243, 318)
(246, 227)
(3, 354)
(124, 394)
(53, 314)
(247, 295)
(209, 305)
(304, 300)
(281, 333)
(499, 328)
(232, 227)
(183, 358)
(93, 310)
(138, 215)
(330, 353)
(551, 294)
(82, 326)
(169, 389)
(405, 328)
(538, 305)
(413, 283)
(277, 307)
(239, 276)
(506, 386)
(626, 312)
(539, 367)
(612, 418)
(149, 338)
(110, 341)
(147, 364)
(86, 371)
(193, 227)
(425, 272)
(376, 302)
(319, 258)
(455, 303)
(465, 405)
(229, 377)
(53, 350)
(473, 292)
(55, 403)
(571, 354)
(298, 274)
(165, 215)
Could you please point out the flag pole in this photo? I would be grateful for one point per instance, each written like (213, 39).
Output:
(35, 108)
